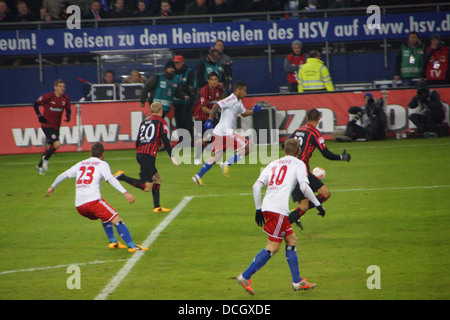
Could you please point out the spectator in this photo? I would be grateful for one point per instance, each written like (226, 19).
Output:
(119, 10)
(292, 64)
(83, 4)
(359, 4)
(183, 107)
(410, 60)
(219, 7)
(369, 122)
(436, 69)
(109, 78)
(196, 7)
(23, 13)
(44, 15)
(207, 65)
(430, 113)
(135, 77)
(142, 10)
(227, 66)
(5, 14)
(53, 7)
(96, 11)
(314, 75)
(165, 9)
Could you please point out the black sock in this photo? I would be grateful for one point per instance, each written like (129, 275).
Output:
(134, 182)
(155, 192)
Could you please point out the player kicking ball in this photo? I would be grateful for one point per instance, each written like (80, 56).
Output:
(280, 176)
(223, 134)
(89, 174)
(152, 131)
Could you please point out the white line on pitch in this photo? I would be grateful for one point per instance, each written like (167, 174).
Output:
(112, 285)
(61, 266)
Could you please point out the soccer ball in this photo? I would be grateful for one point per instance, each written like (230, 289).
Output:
(319, 172)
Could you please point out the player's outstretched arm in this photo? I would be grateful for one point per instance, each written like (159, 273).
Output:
(50, 191)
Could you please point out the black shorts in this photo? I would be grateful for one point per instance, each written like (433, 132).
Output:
(148, 169)
(51, 135)
(315, 184)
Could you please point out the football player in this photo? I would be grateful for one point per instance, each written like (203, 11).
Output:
(89, 202)
(151, 132)
(55, 103)
(280, 176)
(311, 138)
(223, 134)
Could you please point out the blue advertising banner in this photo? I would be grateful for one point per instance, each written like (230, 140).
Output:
(237, 33)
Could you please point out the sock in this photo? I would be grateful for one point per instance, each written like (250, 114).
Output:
(51, 150)
(108, 226)
(292, 260)
(321, 199)
(295, 214)
(155, 192)
(134, 182)
(234, 159)
(258, 262)
(125, 234)
(204, 169)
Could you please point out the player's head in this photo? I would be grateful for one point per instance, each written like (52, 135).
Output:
(313, 116)
(240, 89)
(291, 147)
(60, 87)
(213, 79)
(156, 108)
(97, 150)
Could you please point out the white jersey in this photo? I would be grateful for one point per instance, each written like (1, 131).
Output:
(89, 175)
(231, 106)
(281, 176)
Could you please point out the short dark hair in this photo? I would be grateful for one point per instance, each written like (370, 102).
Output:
(97, 149)
(212, 74)
(314, 54)
(239, 85)
(313, 115)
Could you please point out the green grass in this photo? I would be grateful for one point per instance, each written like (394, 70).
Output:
(389, 207)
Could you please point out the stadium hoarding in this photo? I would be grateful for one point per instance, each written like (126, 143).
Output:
(143, 35)
(116, 123)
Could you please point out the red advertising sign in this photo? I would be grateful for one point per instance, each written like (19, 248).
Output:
(115, 124)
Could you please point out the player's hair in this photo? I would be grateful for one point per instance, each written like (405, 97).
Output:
(58, 81)
(212, 74)
(97, 149)
(291, 147)
(155, 107)
(239, 85)
(313, 115)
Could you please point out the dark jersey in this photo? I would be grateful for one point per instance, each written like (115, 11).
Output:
(208, 98)
(53, 109)
(311, 138)
(152, 131)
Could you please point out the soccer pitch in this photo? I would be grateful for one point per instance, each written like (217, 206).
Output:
(389, 208)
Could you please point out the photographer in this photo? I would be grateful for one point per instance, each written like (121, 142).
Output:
(430, 113)
(369, 122)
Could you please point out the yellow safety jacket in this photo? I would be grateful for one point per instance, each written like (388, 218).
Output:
(314, 75)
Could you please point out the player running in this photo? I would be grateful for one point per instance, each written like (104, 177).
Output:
(89, 175)
(280, 176)
(224, 135)
(311, 138)
(54, 104)
(152, 131)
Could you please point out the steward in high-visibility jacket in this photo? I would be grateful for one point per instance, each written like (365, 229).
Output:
(314, 75)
